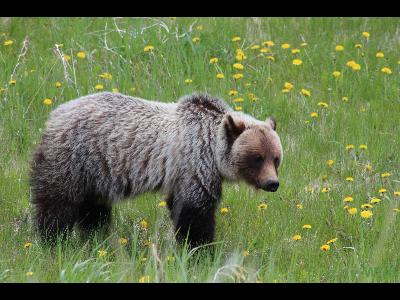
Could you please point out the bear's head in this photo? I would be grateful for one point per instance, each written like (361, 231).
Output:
(249, 150)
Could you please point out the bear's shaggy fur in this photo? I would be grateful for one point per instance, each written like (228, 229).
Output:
(105, 147)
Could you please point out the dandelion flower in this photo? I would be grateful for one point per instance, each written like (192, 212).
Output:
(239, 99)
(382, 191)
(102, 253)
(295, 51)
(240, 55)
(366, 214)
(330, 162)
(162, 204)
(57, 84)
(368, 167)
(386, 174)
(396, 210)
(188, 81)
(106, 75)
(144, 224)
(148, 48)
(66, 57)
(238, 76)
(349, 178)
(28, 245)
(299, 206)
(196, 39)
(47, 101)
(348, 199)
(236, 39)
(255, 47)
(350, 63)
(379, 55)
(12, 81)
(303, 44)
(285, 46)
(305, 92)
(238, 108)
(296, 237)
(122, 241)
(336, 74)
(8, 42)
(29, 274)
(366, 205)
(323, 104)
(352, 210)
(220, 76)
(345, 99)
(325, 189)
(263, 206)
(213, 60)
(268, 43)
(306, 226)
(81, 54)
(114, 90)
(331, 241)
(325, 247)
(349, 147)
(265, 50)
(339, 48)
(232, 93)
(363, 147)
(314, 115)
(386, 70)
(288, 85)
(224, 210)
(238, 66)
(358, 46)
(366, 34)
(356, 67)
(246, 253)
(375, 200)
(297, 62)
(144, 279)
(99, 87)
(396, 193)
(270, 57)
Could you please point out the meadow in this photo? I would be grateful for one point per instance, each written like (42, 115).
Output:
(331, 83)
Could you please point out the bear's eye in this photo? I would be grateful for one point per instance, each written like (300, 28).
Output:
(276, 162)
(258, 159)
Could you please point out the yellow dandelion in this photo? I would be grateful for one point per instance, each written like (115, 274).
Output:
(255, 47)
(325, 189)
(285, 46)
(66, 57)
(220, 76)
(366, 214)
(238, 76)
(325, 247)
(224, 210)
(386, 70)
(265, 50)
(348, 199)
(270, 57)
(162, 204)
(239, 99)
(299, 206)
(305, 92)
(144, 224)
(336, 73)
(12, 81)
(263, 206)
(314, 115)
(366, 205)
(368, 167)
(306, 226)
(366, 34)
(29, 274)
(285, 90)
(309, 189)
(238, 66)
(331, 241)
(106, 75)
(213, 60)
(330, 162)
(296, 237)
(188, 81)
(8, 42)
(148, 48)
(323, 104)
(99, 87)
(102, 253)
(352, 210)
(81, 54)
(346, 207)
(345, 99)
(246, 253)
(236, 39)
(196, 39)
(396, 193)
(57, 84)
(295, 51)
(144, 279)
(375, 200)
(356, 67)
(358, 46)
(349, 147)
(382, 191)
(232, 93)
(297, 62)
(339, 48)
(379, 54)
(122, 241)
(27, 245)
(349, 178)
(303, 44)
(385, 175)
(114, 90)
(238, 108)
(240, 55)
(396, 210)
(47, 101)
(363, 147)
(288, 85)
(268, 43)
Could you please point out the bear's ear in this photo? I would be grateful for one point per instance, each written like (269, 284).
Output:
(233, 128)
(271, 121)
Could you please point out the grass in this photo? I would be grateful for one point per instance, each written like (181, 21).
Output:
(366, 250)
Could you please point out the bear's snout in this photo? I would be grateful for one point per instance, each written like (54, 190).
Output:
(270, 185)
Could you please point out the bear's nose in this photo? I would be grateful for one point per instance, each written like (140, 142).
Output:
(271, 185)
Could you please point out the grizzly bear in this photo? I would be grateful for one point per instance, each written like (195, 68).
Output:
(105, 147)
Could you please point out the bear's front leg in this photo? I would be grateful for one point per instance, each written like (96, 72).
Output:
(193, 214)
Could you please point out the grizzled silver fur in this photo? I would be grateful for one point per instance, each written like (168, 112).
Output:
(106, 147)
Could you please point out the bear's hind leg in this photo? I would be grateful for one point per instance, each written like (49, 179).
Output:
(93, 216)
